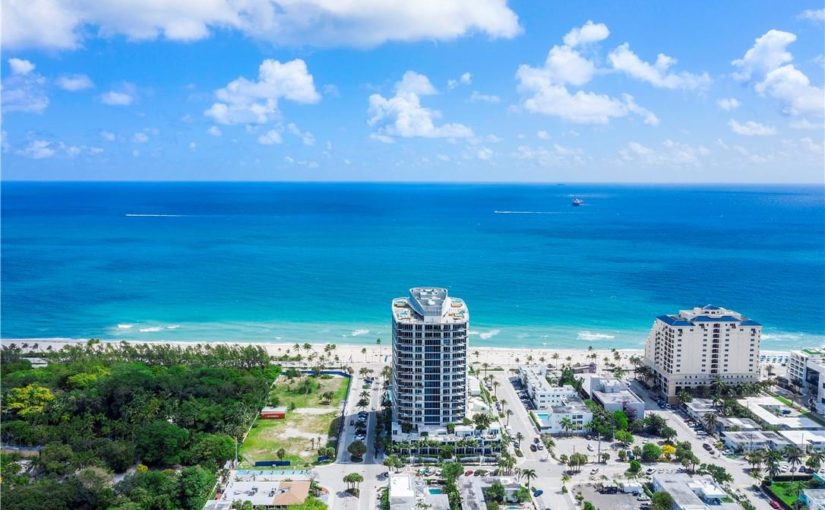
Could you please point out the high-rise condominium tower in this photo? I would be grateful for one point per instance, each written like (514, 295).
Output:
(429, 349)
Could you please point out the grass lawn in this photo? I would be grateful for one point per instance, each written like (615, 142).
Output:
(307, 422)
(786, 491)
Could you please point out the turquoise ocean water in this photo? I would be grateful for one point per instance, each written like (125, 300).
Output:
(320, 262)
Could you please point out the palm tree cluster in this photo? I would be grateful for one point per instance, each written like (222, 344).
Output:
(771, 460)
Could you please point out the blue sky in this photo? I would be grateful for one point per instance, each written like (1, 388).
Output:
(437, 90)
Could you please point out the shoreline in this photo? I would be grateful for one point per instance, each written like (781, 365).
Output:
(372, 353)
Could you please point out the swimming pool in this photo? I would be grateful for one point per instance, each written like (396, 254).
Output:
(435, 490)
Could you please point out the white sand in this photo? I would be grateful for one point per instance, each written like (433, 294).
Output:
(355, 354)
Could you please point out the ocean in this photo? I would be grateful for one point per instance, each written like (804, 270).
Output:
(320, 262)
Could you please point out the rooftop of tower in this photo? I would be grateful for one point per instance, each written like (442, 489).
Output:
(429, 304)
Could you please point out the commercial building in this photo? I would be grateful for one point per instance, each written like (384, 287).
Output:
(753, 440)
(699, 346)
(700, 493)
(429, 364)
(614, 395)
(778, 415)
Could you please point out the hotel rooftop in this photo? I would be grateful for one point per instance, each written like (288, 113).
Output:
(704, 314)
(429, 305)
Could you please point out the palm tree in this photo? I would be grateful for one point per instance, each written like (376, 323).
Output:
(710, 422)
(509, 413)
(495, 387)
(519, 437)
(364, 352)
(566, 424)
(555, 356)
(794, 456)
(815, 460)
(772, 460)
(528, 475)
(485, 366)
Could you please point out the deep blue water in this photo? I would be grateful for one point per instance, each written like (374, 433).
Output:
(320, 262)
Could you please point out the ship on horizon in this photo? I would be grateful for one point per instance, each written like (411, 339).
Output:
(576, 202)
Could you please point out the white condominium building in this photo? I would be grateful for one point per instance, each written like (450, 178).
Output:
(429, 358)
(699, 346)
(806, 371)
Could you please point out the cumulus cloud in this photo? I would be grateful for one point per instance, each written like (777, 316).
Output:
(108, 136)
(484, 153)
(214, 131)
(125, 95)
(43, 149)
(542, 135)
(56, 24)
(271, 137)
(657, 74)
(74, 82)
(767, 66)
(768, 52)
(670, 153)
(545, 89)
(20, 66)
(245, 101)
(817, 15)
(586, 34)
(403, 115)
(546, 157)
(24, 89)
(728, 103)
(140, 137)
(464, 79)
(751, 128)
(477, 97)
(306, 137)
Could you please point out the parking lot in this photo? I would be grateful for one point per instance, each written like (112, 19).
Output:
(614, 501)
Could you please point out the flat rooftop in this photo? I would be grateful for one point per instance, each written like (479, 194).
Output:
(678, 487)
(429, 305)
(707, 313)
(775, 413)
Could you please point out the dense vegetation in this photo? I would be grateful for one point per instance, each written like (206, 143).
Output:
(158, 419)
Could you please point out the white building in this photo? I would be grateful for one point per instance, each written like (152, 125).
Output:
(614, 395)
(543, 394)
(698, 346)
(429, 364)
(814, 499)
(753, 440)
(806, 372)
(699, 493)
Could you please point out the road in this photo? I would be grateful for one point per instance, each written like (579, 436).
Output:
(331, 475)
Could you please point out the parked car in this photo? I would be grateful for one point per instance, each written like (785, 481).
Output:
(533, 448)
(537, 492)
(775, 504)
(540, 446)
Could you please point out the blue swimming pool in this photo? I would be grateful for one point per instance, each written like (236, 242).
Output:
(435, 490)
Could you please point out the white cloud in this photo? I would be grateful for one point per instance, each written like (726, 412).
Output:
(586, 34)
(557, 155)
(74, 82)
(140, 137)
(623, 59)
(794, 90)
(43, 149)
(817, 15)
(38, 149)
(271, 137)
(108, 136)
(214, 131)
(767, 53)
(464, 79)
(403, 115)
(549, 98)
(477, 97)
(56, 24)
(484, 153)
(20, 66)
(193, 146)
(306, 137)
(543, 135)
(767, 65)
(124, 96)
(24, 90)
(751, 128)
(544, 89)
(256, 102)
(728, 103)
(670, 153)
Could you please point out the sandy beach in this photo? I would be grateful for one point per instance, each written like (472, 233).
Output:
(366, 353)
